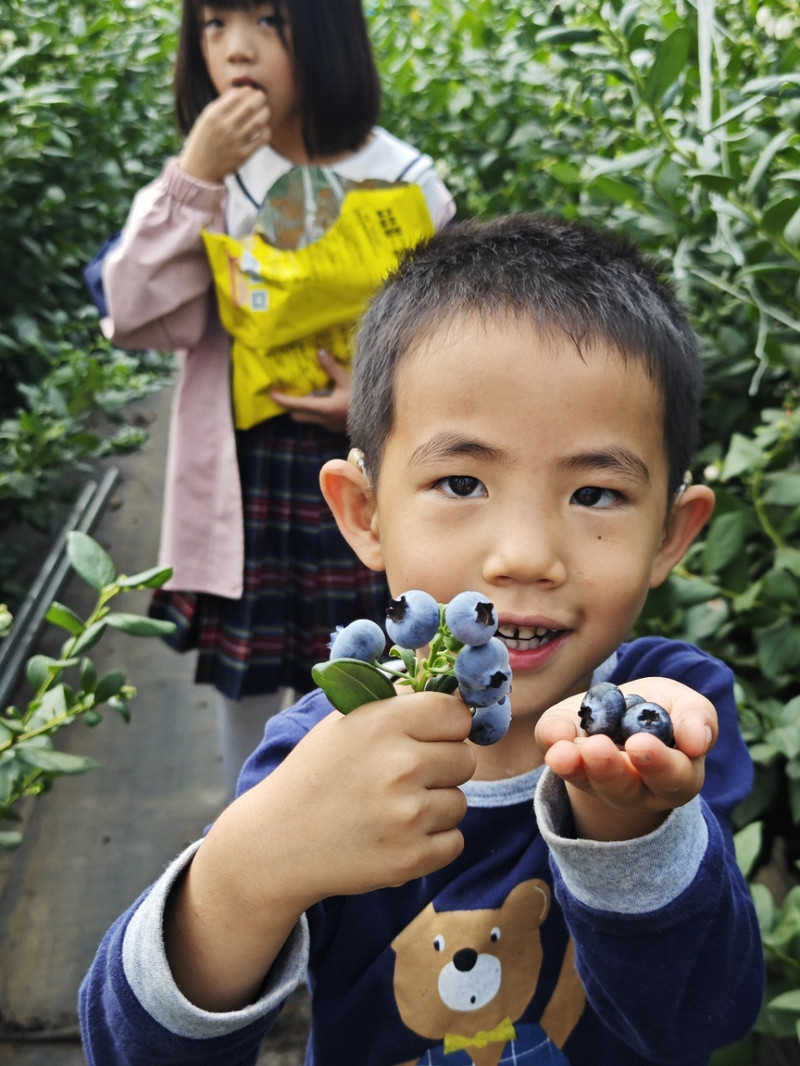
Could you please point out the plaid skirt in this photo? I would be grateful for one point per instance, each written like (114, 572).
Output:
(301, 577)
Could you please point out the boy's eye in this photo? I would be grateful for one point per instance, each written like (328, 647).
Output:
(461, 486)
(594, 496)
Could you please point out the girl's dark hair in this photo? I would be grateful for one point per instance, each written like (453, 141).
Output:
(338, 79)
(594, 286)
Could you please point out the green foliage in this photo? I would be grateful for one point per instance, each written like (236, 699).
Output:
(85, 120)
(68, 688)
(680, 126)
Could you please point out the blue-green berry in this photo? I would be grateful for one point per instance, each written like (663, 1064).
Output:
(471, 618)
(412, 620)
(490, 724)
(362, 639)
(646, 717)
(483, 672)
(602, 709)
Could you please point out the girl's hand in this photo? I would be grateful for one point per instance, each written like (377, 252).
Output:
(618, 794)
(328, 409)
(226, 134)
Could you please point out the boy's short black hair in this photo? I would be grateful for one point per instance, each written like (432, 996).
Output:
(593, 285)
(337, 75)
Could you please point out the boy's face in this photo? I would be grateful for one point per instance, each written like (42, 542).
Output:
(523, 471)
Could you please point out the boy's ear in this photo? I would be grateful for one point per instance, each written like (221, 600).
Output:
(349, 495)
(688, 515)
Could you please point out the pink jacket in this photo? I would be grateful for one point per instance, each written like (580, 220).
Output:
(159, 291)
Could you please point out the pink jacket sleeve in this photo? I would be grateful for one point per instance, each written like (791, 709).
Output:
(157, 280)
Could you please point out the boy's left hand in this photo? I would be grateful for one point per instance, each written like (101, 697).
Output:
(621, 793)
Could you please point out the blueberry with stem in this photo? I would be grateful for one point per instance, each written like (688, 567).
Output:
(412, 620)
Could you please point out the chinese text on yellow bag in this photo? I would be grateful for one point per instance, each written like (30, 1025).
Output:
(281, 306)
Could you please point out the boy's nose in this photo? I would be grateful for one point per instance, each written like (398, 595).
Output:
(527, 550)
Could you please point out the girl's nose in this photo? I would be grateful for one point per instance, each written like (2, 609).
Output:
(240, 47)
(528, 549)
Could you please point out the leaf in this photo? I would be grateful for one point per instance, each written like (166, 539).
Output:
(350, 683)
(782, 488)
(786, 1001)
(668, 65)
(41, 668)
(724, 541)
(90, 561)
(748, 842)
(744, 456)
(778, 648)
(139, 626)
(10, 838)
(62, 616)
(90, 636)
(88, 675)
(150, 579)
(54, 762)
(108, 685)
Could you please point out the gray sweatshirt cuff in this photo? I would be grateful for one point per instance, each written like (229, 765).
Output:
(622, 876)
(148, 974)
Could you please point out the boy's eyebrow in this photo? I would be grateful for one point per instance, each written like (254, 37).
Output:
(446, 445)
(619, 460)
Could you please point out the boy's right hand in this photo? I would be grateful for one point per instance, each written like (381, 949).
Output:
(226, 134)
(365, 801)
(372, 797)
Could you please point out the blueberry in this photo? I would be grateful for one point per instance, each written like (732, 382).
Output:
(632, 699)
(412, 619)
(471, 618)
(490, 724)
(362, 639)
(483, 673)
(602, 709)
(648, 717)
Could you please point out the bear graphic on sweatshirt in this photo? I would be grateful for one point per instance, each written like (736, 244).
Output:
(465, 977)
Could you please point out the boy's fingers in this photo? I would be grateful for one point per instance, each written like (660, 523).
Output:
(448, 765)
(432, 716)
(671, 777)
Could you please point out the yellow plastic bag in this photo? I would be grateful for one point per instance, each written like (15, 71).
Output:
(281, 306)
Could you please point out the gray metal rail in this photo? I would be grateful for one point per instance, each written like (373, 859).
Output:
(15, 649)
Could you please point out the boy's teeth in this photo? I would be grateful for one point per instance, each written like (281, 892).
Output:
(525, 636)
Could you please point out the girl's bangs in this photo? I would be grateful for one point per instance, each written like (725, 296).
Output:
(238, 5)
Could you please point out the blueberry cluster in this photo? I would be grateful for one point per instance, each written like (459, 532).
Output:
(606, 709)
(462, 652)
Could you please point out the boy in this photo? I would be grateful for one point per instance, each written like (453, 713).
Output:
(524, 408)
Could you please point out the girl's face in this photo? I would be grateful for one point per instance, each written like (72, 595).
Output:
(245, 46)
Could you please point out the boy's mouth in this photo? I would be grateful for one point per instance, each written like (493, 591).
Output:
(526, 638)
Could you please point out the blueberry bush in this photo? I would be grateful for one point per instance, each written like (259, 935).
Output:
(67, 688)
(85, 117)
(679, 124)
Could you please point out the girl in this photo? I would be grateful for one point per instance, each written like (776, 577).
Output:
(261, 574)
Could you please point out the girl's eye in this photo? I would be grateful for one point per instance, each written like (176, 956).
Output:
(594, 496)
(461, 486)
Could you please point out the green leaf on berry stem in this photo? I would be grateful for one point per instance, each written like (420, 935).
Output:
(349, 683)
